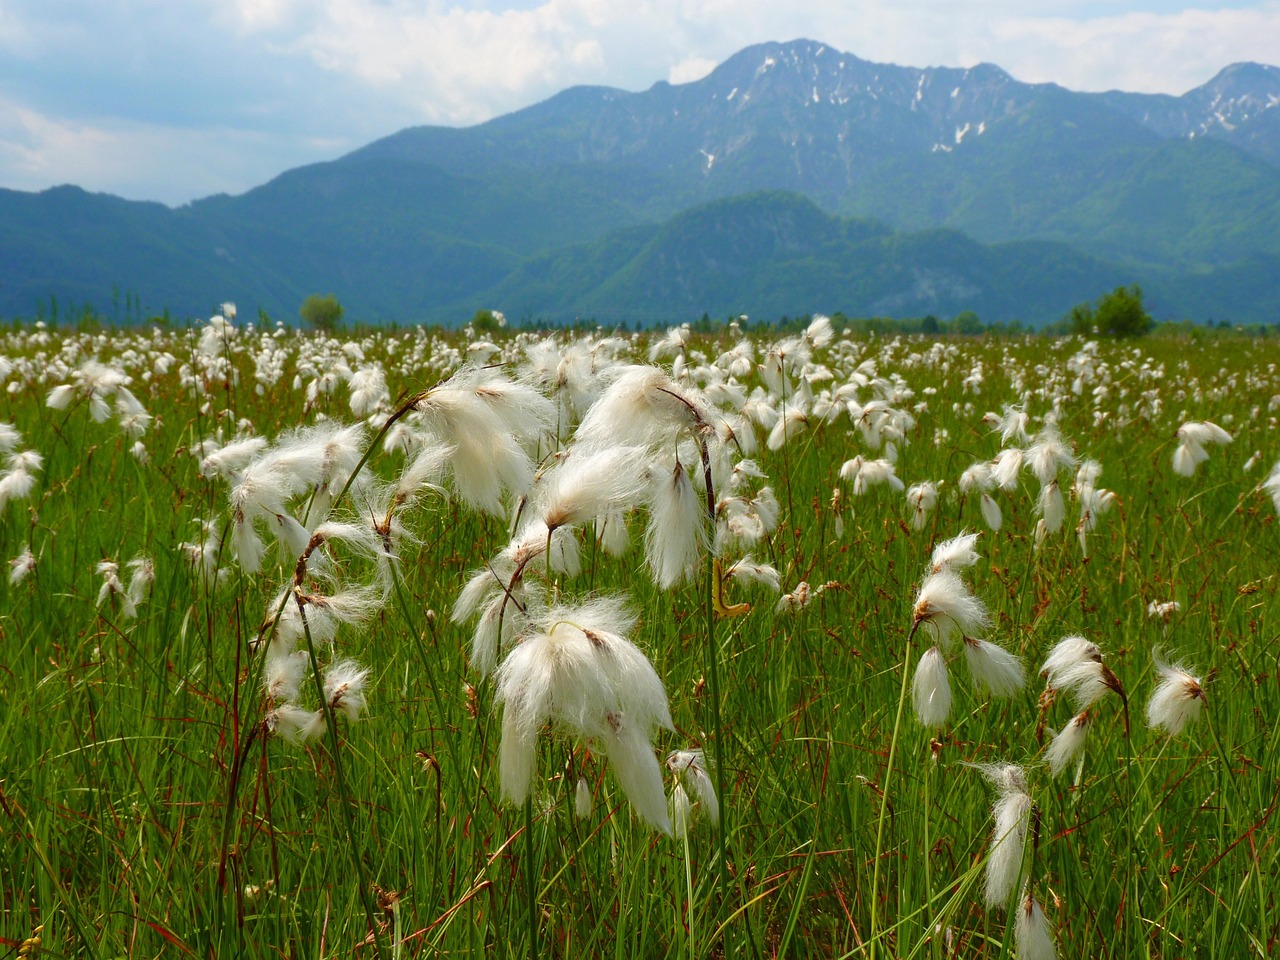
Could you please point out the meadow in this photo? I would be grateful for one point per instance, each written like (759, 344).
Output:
(409, 644)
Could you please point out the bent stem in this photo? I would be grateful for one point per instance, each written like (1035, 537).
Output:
(884, 805)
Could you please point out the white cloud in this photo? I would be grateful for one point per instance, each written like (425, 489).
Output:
(588, 53)
(263, 14)
(459, 65)
(143, 162)
(690, 69)
(1141, 52)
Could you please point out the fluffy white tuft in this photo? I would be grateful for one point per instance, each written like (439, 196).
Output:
(1049, 455)
(946, 605)
(957, 553)
(1012, 814)
(344, 684)
(991, 513)
(796, 600)
(576, 670)
(690, 767)
(21, 565)
(922, 498)
(282, 675)
(677, 534)
(748, 571)
(1177, 699)
(294, 723)
(977, 478)
(1005, 468)
(590, 483)
(1032, 933)
(1272, 486)
(994, 667)
(1052, 507)
(930, 689)
(1066, 654)
(1075, 664)
(641, 407)
(582, 799)
(632, 759)
(1066, 746)
(681, 811)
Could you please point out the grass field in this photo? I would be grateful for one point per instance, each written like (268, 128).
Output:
(194, 761)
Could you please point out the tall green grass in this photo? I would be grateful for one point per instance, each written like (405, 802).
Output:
(143, 813)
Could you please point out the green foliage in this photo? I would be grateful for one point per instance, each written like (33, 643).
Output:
(1119, 314)
(967, 324)
(488, 322)
(322, 313)
(772, 254)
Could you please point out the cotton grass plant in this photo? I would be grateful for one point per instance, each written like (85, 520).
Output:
(451, 644)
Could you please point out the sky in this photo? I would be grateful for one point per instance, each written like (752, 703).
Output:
(172, 100)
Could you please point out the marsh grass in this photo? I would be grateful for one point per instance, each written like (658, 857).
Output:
(144, 812)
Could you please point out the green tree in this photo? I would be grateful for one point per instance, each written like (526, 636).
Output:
(321, 312)
(488, 322)
(1119, 314)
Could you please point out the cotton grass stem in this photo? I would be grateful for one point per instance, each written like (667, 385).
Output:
(692, 907)
(930, 764)
(1228, 773)
(884, 804)
(407, 613)
(239, 751)
(531, 876)
(331, 725)
(1130, 873)
(713, 683)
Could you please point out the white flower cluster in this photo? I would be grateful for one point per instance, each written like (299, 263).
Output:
(951, 613)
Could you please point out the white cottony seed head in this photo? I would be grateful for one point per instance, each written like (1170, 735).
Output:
(677, 533)
(690, 769)
(994, 667)
(1012, 814)
(930, 690)
(955, 554)
(1066, 746)
(1031, 932)
(991, 513)
(582, 800)
(947, 606)
(1177, 700)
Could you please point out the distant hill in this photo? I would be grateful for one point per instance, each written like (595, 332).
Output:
(926, 190)
(770, 254)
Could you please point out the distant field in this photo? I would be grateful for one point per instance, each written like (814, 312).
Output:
(248, 709)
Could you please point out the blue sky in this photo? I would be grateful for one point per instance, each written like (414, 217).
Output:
(171, 100)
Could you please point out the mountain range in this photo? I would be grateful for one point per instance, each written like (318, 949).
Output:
(793, 178)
